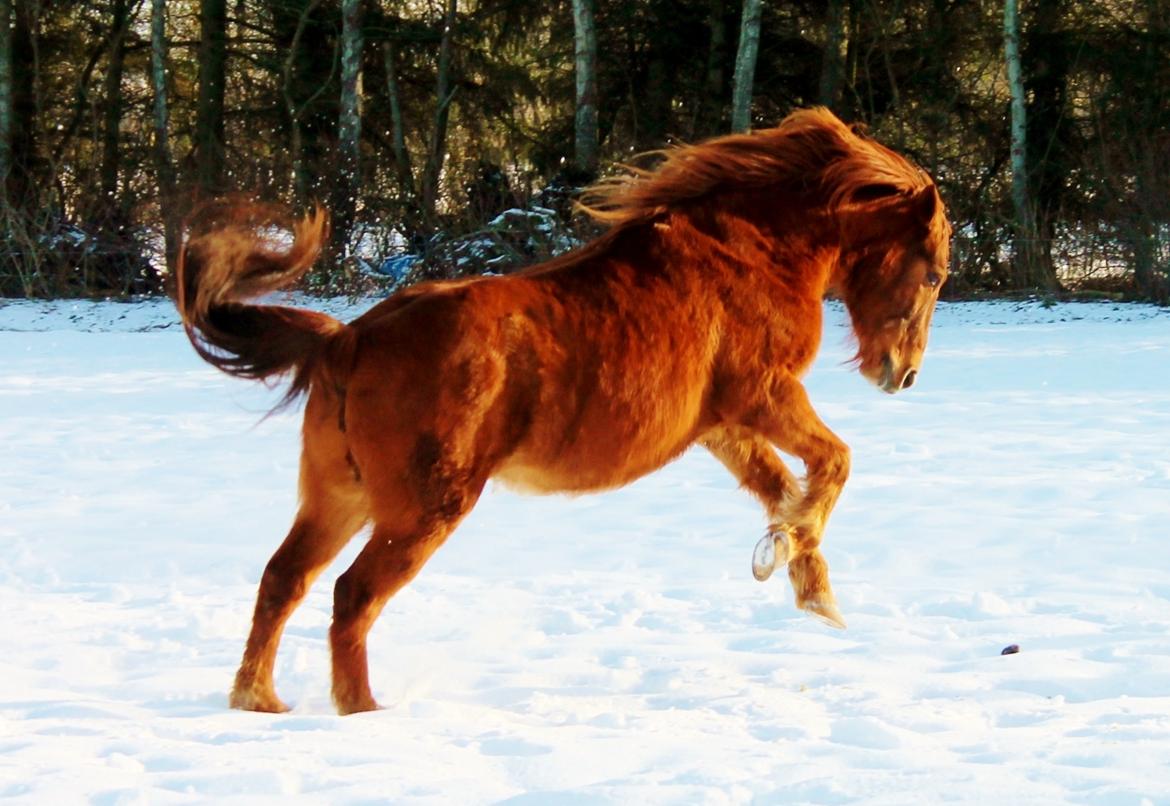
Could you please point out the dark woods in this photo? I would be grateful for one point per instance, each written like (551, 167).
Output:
(456, 131)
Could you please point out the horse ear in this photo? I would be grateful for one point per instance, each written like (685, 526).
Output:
(925, 204)
(880, 212)
(875, 192)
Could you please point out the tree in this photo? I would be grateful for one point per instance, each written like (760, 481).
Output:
(120, 20)
(709, 110)
(26, 127)
(444, 93)
(745, 66)
(405, 172)
(1050, 143)
(833, 58)
(585, 130)
(1151, 207)
(293, 106)
(349, 125)
(1025, 221)
(164, 168)
(209, 123)
(1028, 263)
(5, 96)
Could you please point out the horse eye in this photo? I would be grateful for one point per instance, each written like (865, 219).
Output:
(933, 279)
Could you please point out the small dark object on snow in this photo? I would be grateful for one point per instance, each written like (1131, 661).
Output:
(1011, 649)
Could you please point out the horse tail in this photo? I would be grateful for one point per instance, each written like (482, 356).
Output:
(233, 255)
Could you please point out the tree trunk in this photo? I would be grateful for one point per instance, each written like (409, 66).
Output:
(710, 106)
(295, 111)
(653, 117)
(112, 111)
(1151, 280)
(443, 95)
(398, 130)
(349, 125)
(833, 57)
(1025, 230)
(5, 97)
(1045, 67)
(27, 168)
(745, 66)
(585, 38)
(209, 126)
(164, 167)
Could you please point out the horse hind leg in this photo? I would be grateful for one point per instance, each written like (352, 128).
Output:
(310, 546)
(423, 510)
(332, 510)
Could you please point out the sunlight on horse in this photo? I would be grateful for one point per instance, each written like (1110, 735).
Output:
(692, 320)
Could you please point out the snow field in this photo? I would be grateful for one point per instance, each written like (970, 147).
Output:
(610, 648)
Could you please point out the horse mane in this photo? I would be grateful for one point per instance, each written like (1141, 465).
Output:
(811, 150)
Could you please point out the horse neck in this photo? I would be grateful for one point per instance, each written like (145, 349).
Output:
(801, 241)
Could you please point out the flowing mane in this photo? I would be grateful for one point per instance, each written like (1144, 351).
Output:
(810, 150)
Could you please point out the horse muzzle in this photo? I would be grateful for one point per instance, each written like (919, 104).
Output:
(892, 380)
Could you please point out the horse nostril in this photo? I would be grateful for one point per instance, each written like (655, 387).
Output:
(909, 379)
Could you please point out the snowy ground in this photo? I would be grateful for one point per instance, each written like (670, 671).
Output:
(614, 648)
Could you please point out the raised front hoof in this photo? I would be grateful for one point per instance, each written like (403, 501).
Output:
(770, 553)
(824, 610)
(250, 700)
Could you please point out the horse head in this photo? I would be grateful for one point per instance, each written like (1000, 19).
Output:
(895, 249)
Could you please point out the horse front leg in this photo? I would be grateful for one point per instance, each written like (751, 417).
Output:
(753, 461)
(789, 422)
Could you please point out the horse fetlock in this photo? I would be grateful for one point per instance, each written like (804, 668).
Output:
(356, 705)
(809, 574)
(254, 696)
(353, 698)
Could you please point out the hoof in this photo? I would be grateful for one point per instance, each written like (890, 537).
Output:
(252, 701)
(823, 609)
(358, 708)
(349, 699)
(770, 552)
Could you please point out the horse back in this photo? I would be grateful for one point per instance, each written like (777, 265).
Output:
(578, 379)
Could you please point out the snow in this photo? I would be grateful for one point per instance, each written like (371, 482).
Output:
(610, 648)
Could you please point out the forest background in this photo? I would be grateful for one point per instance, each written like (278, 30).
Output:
(448, 137)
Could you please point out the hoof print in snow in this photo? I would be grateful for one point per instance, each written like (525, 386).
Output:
(1010, 649)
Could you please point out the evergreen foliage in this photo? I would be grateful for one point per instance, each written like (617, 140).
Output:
(259, 102)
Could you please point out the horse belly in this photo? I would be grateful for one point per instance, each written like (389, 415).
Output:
(534, 478)
(606, 447)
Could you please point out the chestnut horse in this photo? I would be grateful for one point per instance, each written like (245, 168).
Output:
(691, 320)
